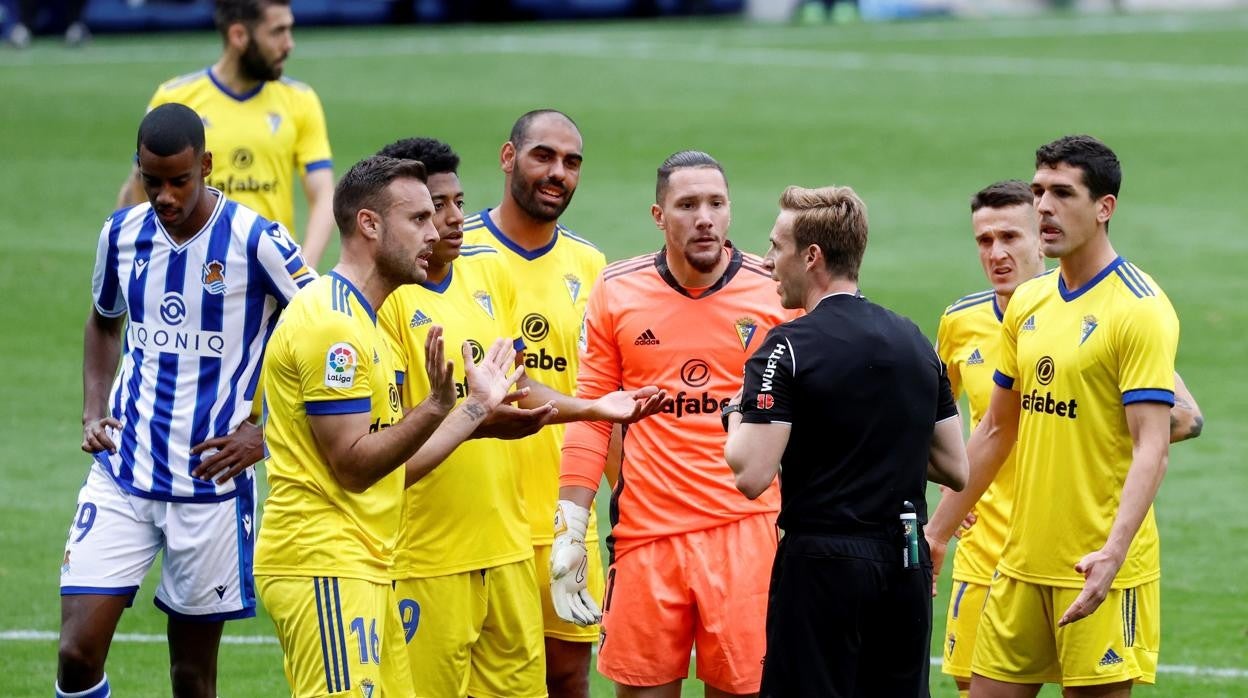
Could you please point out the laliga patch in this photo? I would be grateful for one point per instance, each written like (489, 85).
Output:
(340, 366)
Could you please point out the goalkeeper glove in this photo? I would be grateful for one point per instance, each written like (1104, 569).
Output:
(569, 566)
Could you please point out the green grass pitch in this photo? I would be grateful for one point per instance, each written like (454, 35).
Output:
(916, 117)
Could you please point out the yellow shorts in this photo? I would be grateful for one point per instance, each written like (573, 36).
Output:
(965, 606)
(556, 627)
(475, 633)
(340, 637)
(1019, 640)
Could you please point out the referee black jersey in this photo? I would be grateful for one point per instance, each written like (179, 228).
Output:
(863, 389)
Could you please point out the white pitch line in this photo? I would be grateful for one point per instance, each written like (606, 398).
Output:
(713, 54)
(130, 638)
(146, 639)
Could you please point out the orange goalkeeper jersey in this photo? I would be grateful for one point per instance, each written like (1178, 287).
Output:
(643, 328)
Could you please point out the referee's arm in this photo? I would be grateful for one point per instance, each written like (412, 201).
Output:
(758, 429)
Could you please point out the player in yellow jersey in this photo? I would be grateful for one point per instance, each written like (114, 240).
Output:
(1084, 385)
(262, 128)
(466, 584)
(337, 441)
(553, 271)
(1007, 235)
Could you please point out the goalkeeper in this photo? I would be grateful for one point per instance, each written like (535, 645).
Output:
(690, 555)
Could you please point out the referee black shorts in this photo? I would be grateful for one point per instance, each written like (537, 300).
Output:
(844, 618)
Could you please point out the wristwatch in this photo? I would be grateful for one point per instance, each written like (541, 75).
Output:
(728, 409)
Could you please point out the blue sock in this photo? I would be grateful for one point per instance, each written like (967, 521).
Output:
(99, 690)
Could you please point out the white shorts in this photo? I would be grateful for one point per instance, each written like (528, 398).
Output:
(206, 572)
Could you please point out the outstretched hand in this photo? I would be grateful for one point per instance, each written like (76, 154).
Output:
(236, 452)
(491, 380)
(628, 406)
(441, 372)
(511, 422)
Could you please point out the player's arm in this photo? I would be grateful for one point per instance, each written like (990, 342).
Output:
(318, 186)
(1148, 423)
(946, 461)
(489, 384)
(986, 451)
(1186, 420)
(759, 432)
(621, 406)
(101, 350)
(131, 193)
(358, 456)
(581, 466)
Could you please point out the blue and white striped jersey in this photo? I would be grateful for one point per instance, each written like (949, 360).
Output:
(199, 316)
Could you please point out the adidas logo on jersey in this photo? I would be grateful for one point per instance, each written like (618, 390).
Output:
(646, 338)
(1030, 324)
(1111, 658)
(975, 358)
(419, 318)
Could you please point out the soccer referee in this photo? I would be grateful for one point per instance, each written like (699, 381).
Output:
(853, 403)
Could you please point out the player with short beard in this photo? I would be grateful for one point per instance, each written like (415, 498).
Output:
(690, 554)
(553, 271)
(262, 127)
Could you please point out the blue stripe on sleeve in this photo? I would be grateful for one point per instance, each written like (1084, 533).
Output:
(1002, 380)
(347, 406)
(398, 378)
(318, 165)
(1148, 395)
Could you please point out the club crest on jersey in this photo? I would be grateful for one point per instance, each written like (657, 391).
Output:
(340, 366)
(486, 303)
(746, 327)
(366, 688)
(275, 122)
(1089, 325)
(574, 286)
(419, 318)
(975, 358)
(214, 277)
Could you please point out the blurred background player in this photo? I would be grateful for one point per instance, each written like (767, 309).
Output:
(261, 127)
(690, 554)
(1084, 385)
(76, 32)
(338, 440)
(466, 584)
(1007, 234)
(553, 271)
(853, 403)
(181, 274)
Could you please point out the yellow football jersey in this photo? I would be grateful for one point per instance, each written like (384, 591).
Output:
(553, 285)
(258, 140)
(326, 356)
(468, 514)
(1076, 359)
(968, 341)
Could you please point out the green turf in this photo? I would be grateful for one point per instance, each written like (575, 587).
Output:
(915, 116)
